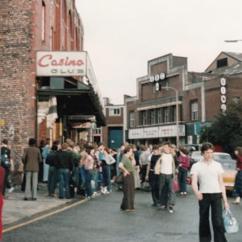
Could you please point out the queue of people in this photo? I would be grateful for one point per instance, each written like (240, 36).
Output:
(89, 169)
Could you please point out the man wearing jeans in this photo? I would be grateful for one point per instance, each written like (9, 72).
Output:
(211, 191)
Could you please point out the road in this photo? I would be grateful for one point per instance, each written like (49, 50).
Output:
(100, 220)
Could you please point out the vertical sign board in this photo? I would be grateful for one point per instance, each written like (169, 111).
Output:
(223, 92)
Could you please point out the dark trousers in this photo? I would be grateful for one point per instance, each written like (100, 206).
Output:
(154, 185)
(182, 178)
(128, 192)
(166, 193)
(143, 169)
(214, 201)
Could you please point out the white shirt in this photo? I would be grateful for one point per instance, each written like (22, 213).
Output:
(208, 175)
(166, 164)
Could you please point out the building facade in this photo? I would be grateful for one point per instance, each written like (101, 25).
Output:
(175, 104)
(112, 134)
(42, 105)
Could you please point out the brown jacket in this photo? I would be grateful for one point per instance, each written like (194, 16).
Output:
(31, 159)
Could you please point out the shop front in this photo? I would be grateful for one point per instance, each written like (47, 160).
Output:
(67, 96)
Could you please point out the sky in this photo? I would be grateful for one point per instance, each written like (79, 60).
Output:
(122, 35)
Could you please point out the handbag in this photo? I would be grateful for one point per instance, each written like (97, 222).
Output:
(175, 185)
(110, 160)
(230, 223)
(119, 179)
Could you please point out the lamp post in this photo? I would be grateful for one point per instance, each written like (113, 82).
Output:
(232, 40)
(177, 113)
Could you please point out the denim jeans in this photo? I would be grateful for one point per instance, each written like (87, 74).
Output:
(182, 176)
(64, 180)
(88, 186)
(106, 176)
(52, 179)
(213, 200)
(167, 195)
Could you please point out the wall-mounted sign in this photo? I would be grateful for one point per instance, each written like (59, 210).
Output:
(158, 77)
(223, 92)
(61, 63)
(156, 132)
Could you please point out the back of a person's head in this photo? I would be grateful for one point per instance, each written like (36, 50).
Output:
(32, 142)
(206, 146)
(64, 146)
(5, 141)
(54, 147)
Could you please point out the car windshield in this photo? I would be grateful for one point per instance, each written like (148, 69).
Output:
(225, 160)
(196, 155)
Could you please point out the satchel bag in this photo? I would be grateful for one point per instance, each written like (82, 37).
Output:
(230, 223)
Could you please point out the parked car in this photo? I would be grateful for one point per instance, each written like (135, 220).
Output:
(195, 157)
(229, 166)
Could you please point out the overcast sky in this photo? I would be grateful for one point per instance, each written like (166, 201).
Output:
(122, 35)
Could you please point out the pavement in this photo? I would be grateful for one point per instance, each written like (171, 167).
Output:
(16, 210)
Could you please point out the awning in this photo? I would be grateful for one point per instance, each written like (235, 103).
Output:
(76, 102)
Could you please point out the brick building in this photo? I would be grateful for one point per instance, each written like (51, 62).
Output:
(41, 106)
(171, 100)
(112, 133)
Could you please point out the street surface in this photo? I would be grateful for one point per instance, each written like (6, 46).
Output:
(100, 220)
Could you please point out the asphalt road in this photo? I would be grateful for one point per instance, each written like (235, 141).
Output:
(100, 220)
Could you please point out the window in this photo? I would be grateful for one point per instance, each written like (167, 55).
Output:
(114, 112)
(166, 115)
(43, 21)
(159, 116)
(222, 62)
(194, 110)
(144, 118)
(153, 116)
(172, 113)
(131, 120)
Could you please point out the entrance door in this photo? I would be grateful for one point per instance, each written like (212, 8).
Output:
(115, 137)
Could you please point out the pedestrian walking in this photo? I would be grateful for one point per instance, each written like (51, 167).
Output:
(152, 177)
(165, 168)
(31, 160)
(238, 178)
(210, 193)
(183, 164)
(127, 167)
(2, 176)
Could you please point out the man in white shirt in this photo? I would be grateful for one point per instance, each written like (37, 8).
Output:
(208, 174)
(166, 176)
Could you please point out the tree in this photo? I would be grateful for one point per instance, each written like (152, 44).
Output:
(226, 130)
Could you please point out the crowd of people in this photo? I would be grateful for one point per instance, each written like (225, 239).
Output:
(87, 169)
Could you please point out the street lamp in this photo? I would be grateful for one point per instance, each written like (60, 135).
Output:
(232, 40)
(177, 113)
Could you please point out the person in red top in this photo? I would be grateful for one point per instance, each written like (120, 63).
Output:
(238, 178)
(184, 164)
(2, 175)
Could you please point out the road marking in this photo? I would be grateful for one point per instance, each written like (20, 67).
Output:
(43, 216)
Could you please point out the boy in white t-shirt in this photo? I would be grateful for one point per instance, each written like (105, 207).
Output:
(208, 174)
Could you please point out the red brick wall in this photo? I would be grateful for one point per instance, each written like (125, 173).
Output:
(20, 37)
(17, 79)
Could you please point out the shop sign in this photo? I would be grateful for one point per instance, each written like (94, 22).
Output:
(61, 63)
(136, 133)
(171, 130)
(151, 132)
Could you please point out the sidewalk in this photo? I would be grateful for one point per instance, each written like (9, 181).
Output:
(16, 209)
